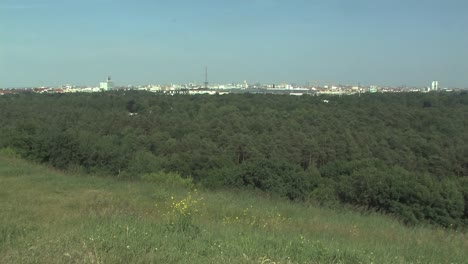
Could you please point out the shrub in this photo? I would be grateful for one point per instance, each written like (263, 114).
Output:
(168, 179)
(8, 152)
(275, 177)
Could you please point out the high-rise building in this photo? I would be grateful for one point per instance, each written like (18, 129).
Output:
(435, 86)
(107, 85)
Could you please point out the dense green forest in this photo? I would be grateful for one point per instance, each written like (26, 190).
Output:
(401, 154)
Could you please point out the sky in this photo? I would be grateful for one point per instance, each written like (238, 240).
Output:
(368, 42)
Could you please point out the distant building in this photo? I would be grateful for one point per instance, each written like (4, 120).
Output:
(107, 85)
(435, 86)
(245, 85)
(372, 89)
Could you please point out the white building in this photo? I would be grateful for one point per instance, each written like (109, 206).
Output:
(245, 85)
(107, 85)
(435, 86)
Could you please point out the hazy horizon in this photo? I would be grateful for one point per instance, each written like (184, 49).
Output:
(52, 42)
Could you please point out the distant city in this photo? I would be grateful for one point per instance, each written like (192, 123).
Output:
(244, 87)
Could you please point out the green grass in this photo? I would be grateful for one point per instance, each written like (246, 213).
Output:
(47, 216)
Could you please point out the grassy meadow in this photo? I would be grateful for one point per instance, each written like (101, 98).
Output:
(48, 216)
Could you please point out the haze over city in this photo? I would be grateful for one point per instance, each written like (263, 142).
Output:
(54, 42)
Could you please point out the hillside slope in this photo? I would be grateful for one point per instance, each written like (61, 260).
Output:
(49, 217)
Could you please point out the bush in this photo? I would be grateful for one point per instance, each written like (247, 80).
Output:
(324, 194)
(221, 177)
(8, 153)
(275, 177)
(143, 162)
(411, 197)
(168, 179)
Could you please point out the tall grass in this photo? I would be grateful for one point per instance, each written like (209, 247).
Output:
(49, 217)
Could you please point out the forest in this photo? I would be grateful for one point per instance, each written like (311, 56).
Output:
(401, 154)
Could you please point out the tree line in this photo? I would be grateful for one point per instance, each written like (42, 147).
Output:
(401, 154)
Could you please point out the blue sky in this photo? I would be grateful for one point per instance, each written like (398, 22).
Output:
(383, 42)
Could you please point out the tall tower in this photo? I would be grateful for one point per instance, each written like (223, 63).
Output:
(206, 77)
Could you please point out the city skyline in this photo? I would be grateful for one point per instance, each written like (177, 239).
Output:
(393, 43)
